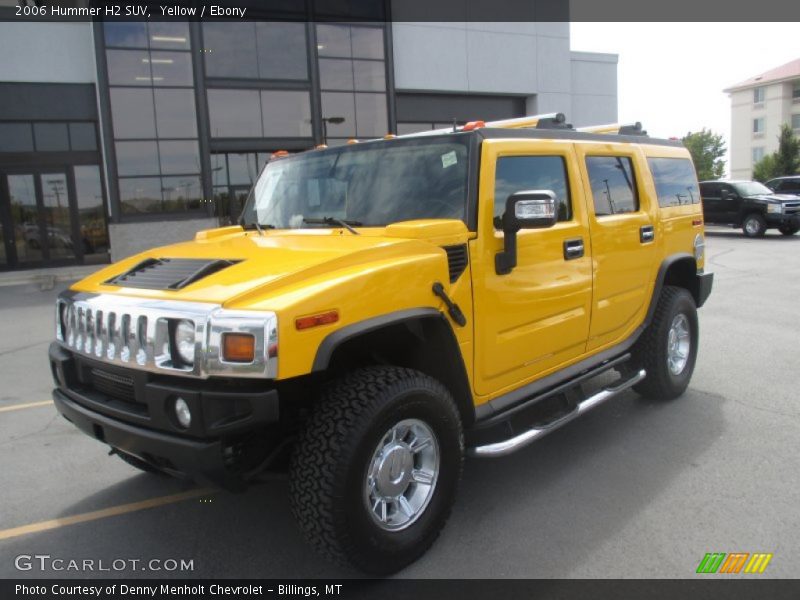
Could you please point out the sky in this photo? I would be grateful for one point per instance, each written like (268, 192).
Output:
(671, 75)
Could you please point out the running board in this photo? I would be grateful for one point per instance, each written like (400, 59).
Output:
(523, 439)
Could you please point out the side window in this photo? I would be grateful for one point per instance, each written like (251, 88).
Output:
(675, 181)
(518, 173)
(709, 190)
(613, 185)
(728, 192)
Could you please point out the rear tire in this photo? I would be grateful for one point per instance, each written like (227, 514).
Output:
(788, 230)
(365, 487)
(754, 226)
(667, 349)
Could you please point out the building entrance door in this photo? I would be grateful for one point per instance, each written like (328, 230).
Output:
(38, 219)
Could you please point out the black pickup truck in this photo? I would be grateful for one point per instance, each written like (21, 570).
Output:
(750, 205)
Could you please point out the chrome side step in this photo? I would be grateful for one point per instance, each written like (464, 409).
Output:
(523, 439)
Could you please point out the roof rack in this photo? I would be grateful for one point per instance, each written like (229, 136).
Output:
(545, 121)
(615, 129)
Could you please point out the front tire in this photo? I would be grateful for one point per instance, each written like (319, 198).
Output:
(667, 349)
(375, 472)
(754, 226)
(788, 230)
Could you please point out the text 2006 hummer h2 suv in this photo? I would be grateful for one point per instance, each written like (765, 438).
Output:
(386, 307)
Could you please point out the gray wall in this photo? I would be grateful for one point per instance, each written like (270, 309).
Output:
(594, 88)
(130, 238)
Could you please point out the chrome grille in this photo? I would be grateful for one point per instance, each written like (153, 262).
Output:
(791, 208)
(135, 332)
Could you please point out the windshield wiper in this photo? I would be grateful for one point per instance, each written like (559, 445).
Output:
(257, 226)
(334, 221)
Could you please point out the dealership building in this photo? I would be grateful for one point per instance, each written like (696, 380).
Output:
(119, 136)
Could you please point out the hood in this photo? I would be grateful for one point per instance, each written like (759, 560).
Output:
(776, 197)
(223, 265)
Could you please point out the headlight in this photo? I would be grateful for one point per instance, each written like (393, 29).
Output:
(184, 341)
(774, 208)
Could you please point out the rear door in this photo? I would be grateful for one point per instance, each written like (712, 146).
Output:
(711, 201)
(622, 219)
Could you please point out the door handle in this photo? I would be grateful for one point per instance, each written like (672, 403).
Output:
(646, 234)
(573, 249)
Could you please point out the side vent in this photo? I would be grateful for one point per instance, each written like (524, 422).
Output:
(169, 273)
(456, 260)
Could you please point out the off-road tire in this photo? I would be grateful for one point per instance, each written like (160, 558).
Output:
(756, 224)
(330, 463)
(651, 350)
(139, 463)
(788, 230)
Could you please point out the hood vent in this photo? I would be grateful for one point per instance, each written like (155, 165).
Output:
(169, 273)
(456, 260)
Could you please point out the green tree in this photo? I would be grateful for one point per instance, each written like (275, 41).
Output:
(785, 161)
(707, 149)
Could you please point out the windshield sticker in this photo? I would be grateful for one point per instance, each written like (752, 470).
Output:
(449, 159)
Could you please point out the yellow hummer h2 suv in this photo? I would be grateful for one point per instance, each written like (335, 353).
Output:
(385, 308)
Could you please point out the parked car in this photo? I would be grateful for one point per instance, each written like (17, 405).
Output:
(381, 310)
(789, 184)
(750, 205)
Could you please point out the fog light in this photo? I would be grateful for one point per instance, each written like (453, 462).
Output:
(182, 413)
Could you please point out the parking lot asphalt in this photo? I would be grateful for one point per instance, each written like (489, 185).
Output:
(633, 489)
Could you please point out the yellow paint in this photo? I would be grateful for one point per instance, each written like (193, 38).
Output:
(26, 405)
(546, 314)
(7, 534)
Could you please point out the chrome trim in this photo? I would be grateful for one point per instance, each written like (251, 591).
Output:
(135, 333)
(523, 439)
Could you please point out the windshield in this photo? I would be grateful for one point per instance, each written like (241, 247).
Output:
(752, 188)
(373, 184)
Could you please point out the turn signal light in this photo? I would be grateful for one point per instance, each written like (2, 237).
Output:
(315, 320)
(238, 347)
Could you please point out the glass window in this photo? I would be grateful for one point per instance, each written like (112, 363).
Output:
(55, 200)
(132, 35)
(758, 125)
(286, 114)
(796, 121)
(367, 42)
(613, 185)
(171, 68)
(51, 137)
(175, 113)
(132, 113)
(230, 49)
(16, 137)
(369, 75)
(234, 113)
(371, 116)
(796, 90)
(334, 40)
(243, 168)
(137, 158)
(91, 213)
(282, 50)
(181, 193)
(82, 136)
(219, 170)
(335, 74)
(758, 154)
(140, 195)
(25, 217)
(179, 157)
(675, 181)
(170, 35)
(128, 67)
(758, 95)
(518, 173)
(339, 105)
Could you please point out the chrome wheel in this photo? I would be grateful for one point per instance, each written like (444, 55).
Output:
(679, 343)
(751, 226)
(402, 474)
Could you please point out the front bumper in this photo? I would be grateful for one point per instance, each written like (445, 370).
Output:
(142, 423)
(782, 220)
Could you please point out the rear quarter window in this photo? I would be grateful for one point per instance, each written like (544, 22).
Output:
(675, 181)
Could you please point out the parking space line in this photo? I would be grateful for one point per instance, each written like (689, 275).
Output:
(113, 511)
(26, 405)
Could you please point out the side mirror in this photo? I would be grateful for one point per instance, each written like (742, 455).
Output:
(528, 209)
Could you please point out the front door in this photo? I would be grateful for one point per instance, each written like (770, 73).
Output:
(38, 219)
(535, 318)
